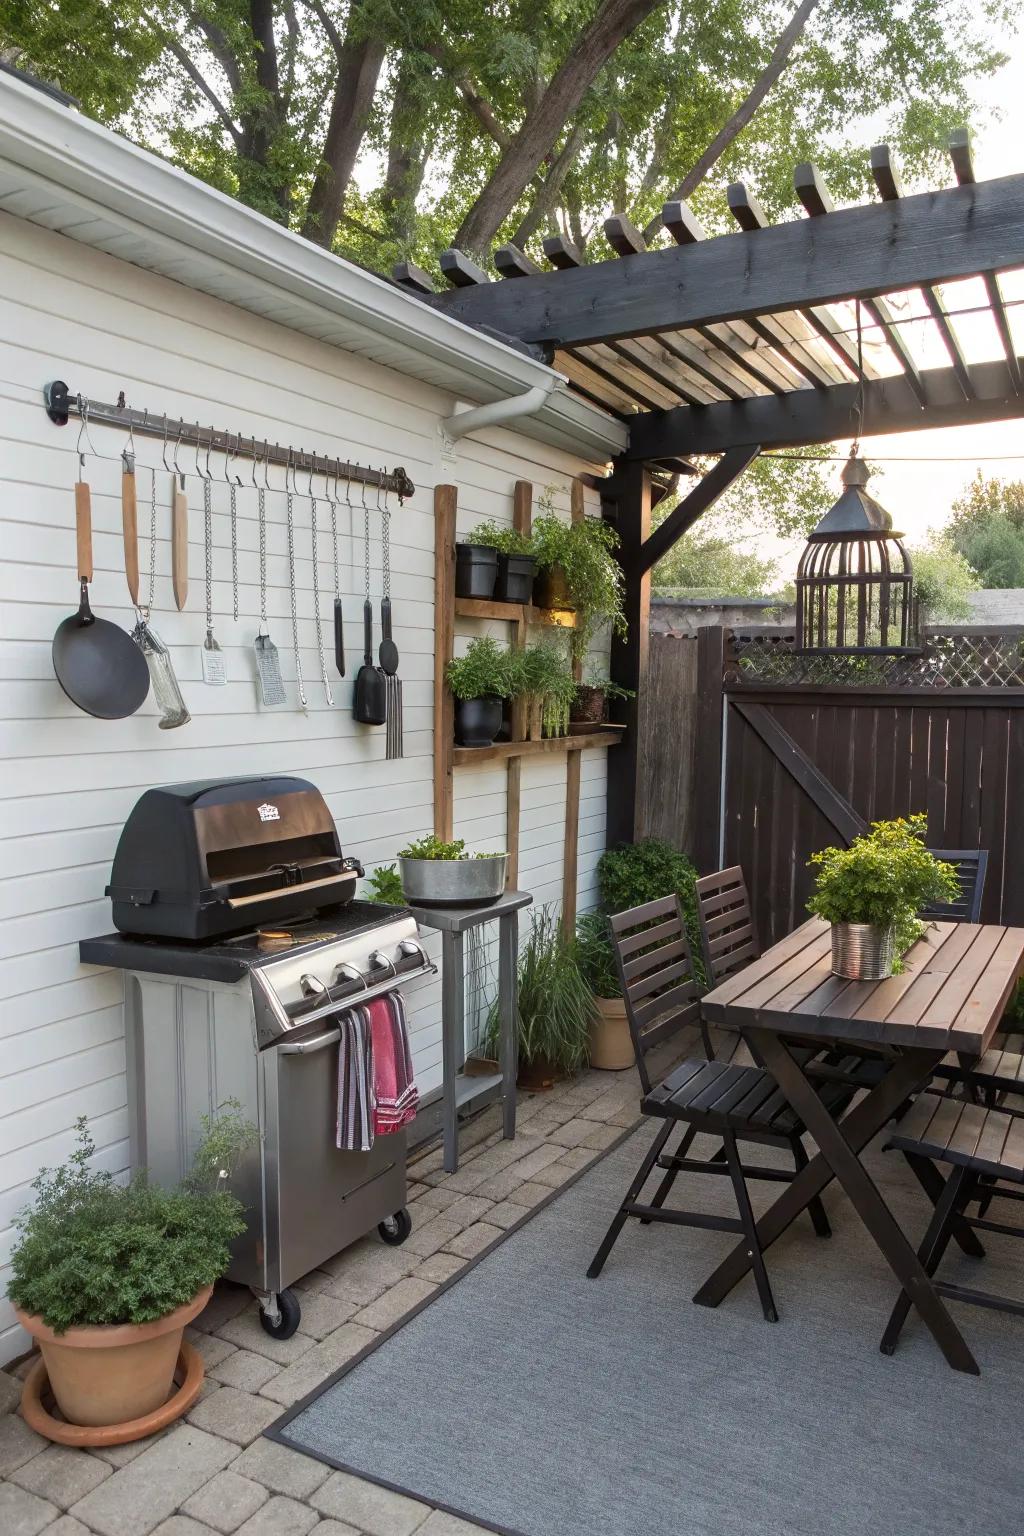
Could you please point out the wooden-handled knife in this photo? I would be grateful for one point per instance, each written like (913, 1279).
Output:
(179, 541)
(130, 522)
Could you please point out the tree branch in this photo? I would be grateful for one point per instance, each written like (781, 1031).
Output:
(549, 189)
(226, 120)
(788, 39)
(334, 37)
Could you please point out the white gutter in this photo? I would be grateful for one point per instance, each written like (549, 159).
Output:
(99, 189)
(497, 413)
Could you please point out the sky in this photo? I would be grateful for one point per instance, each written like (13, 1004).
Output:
(920, 494)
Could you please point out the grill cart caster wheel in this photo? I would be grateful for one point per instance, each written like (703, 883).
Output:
(396, 1228)
(279, 1315)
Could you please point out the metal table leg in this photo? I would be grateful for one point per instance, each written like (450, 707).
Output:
(838, 1157)
(453, 1003)
(508, 998)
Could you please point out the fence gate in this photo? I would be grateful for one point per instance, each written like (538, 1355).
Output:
(801, 765)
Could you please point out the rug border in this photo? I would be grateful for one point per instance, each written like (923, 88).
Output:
(275, 1430)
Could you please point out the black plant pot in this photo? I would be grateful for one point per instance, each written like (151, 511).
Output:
(477, 721)
(476, 570)
(515, 578)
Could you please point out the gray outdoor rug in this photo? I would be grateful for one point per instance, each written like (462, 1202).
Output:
(529, 1399)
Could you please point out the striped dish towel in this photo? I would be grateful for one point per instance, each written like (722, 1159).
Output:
(376, 1091)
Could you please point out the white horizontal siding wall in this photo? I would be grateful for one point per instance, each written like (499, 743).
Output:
(67, 781)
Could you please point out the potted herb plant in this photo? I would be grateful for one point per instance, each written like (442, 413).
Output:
(480, 679)
(611, 1045)
(871, 893)
(106, 1276)
(590, 701)
(516, 564)
(555, 1005)
(577, 570)
(439, 874)
(542, 672)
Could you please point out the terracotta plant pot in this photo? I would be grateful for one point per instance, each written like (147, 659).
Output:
(611, 1046)
(113, 1373)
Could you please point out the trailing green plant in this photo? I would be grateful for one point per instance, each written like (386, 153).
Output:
(385, 885)
(542, 672)
(502, 537)
(596, 955)
(93, 1251)
(584, 552)
(602, 684)
(556, 1005)
(635, 873)
(885, 877)
(432, 847)
(485, 670)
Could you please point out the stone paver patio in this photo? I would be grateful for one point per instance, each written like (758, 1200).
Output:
(212, 1474)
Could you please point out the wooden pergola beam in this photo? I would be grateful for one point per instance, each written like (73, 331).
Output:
(704, 494)
(932, 237)
(806, 416)
(963, 167)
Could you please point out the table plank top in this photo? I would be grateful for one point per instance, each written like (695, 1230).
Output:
(950, 995)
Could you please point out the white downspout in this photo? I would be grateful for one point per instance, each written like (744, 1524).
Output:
(497, 412)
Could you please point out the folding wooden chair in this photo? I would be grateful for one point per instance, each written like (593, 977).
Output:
(971, 865)
(728, 1100)
(979, 1144)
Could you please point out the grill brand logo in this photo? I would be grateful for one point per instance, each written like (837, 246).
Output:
(268, 812)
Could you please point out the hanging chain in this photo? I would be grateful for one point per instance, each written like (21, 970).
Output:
(261, 499)
(858, 400)
(208, 537)
(366, 545)
(386, 546)
(334, 544)
(147, 610)
(290, 501)
(316, 601)
(234, 547)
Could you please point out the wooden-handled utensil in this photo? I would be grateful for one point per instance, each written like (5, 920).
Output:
(179, 541)
(130, 524)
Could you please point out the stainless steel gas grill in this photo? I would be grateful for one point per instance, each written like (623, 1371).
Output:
(241, 942)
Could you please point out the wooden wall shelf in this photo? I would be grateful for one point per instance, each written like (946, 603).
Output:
(515, 613)
(501, 751)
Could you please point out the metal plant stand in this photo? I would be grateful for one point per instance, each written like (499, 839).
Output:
(453, 923)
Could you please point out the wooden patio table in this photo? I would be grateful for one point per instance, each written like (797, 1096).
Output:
(950, 996)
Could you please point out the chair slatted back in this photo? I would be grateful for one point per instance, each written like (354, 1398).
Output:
(971, 865)
(655, 969)
(728, 939)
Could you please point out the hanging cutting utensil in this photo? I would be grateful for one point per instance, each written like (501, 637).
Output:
(292, 593)
(179, 526)
(388, 653)
(212, 657)
(369, 705)
(130, 518)
(268, 661)
(339, 619)
(316, 585)
(158, 658)
(96, 662)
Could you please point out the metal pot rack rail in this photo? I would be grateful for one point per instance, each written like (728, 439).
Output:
(62, 403)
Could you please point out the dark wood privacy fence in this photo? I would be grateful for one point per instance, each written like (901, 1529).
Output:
(801, 765)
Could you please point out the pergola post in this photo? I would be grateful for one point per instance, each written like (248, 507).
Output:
(628, 504)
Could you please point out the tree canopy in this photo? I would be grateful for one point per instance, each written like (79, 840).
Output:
(987, 529)
(388, 131)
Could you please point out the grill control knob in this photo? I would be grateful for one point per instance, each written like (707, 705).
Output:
(312, 986)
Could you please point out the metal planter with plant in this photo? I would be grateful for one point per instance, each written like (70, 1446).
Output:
(871, 893)
(555, 1005)
(578, 571)
(516, 565)
(106, 1276)
(439, 874)
(480, 679)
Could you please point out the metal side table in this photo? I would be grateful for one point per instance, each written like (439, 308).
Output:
(452, 923)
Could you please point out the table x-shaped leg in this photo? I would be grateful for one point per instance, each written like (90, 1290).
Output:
(839, 1146)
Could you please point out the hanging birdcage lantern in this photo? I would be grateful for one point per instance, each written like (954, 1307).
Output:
(854, 583)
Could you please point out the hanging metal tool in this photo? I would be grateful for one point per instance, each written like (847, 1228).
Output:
(268, 660)
(214, 669)
(179, 526)
(388, 653)
(130, 518)
(233, 484)
(158, 658)
(369, 705)
(316, 588)
(289, 485)
(339, 618)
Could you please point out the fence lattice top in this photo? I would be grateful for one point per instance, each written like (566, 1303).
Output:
(950, 659)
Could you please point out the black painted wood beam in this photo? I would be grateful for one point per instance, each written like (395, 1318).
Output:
(932, 237)
(627, 503)
(963, 166)
(704, 494)
(890, 186)
(804, 416)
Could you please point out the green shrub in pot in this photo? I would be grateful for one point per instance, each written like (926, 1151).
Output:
(101, 1265)
(480, 679)
(582, 573)
(635, 873)
(555, 1003)
(611, 1046)
(872, 891)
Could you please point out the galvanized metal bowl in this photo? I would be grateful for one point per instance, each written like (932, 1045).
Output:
(862, 951)
(453, 882)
